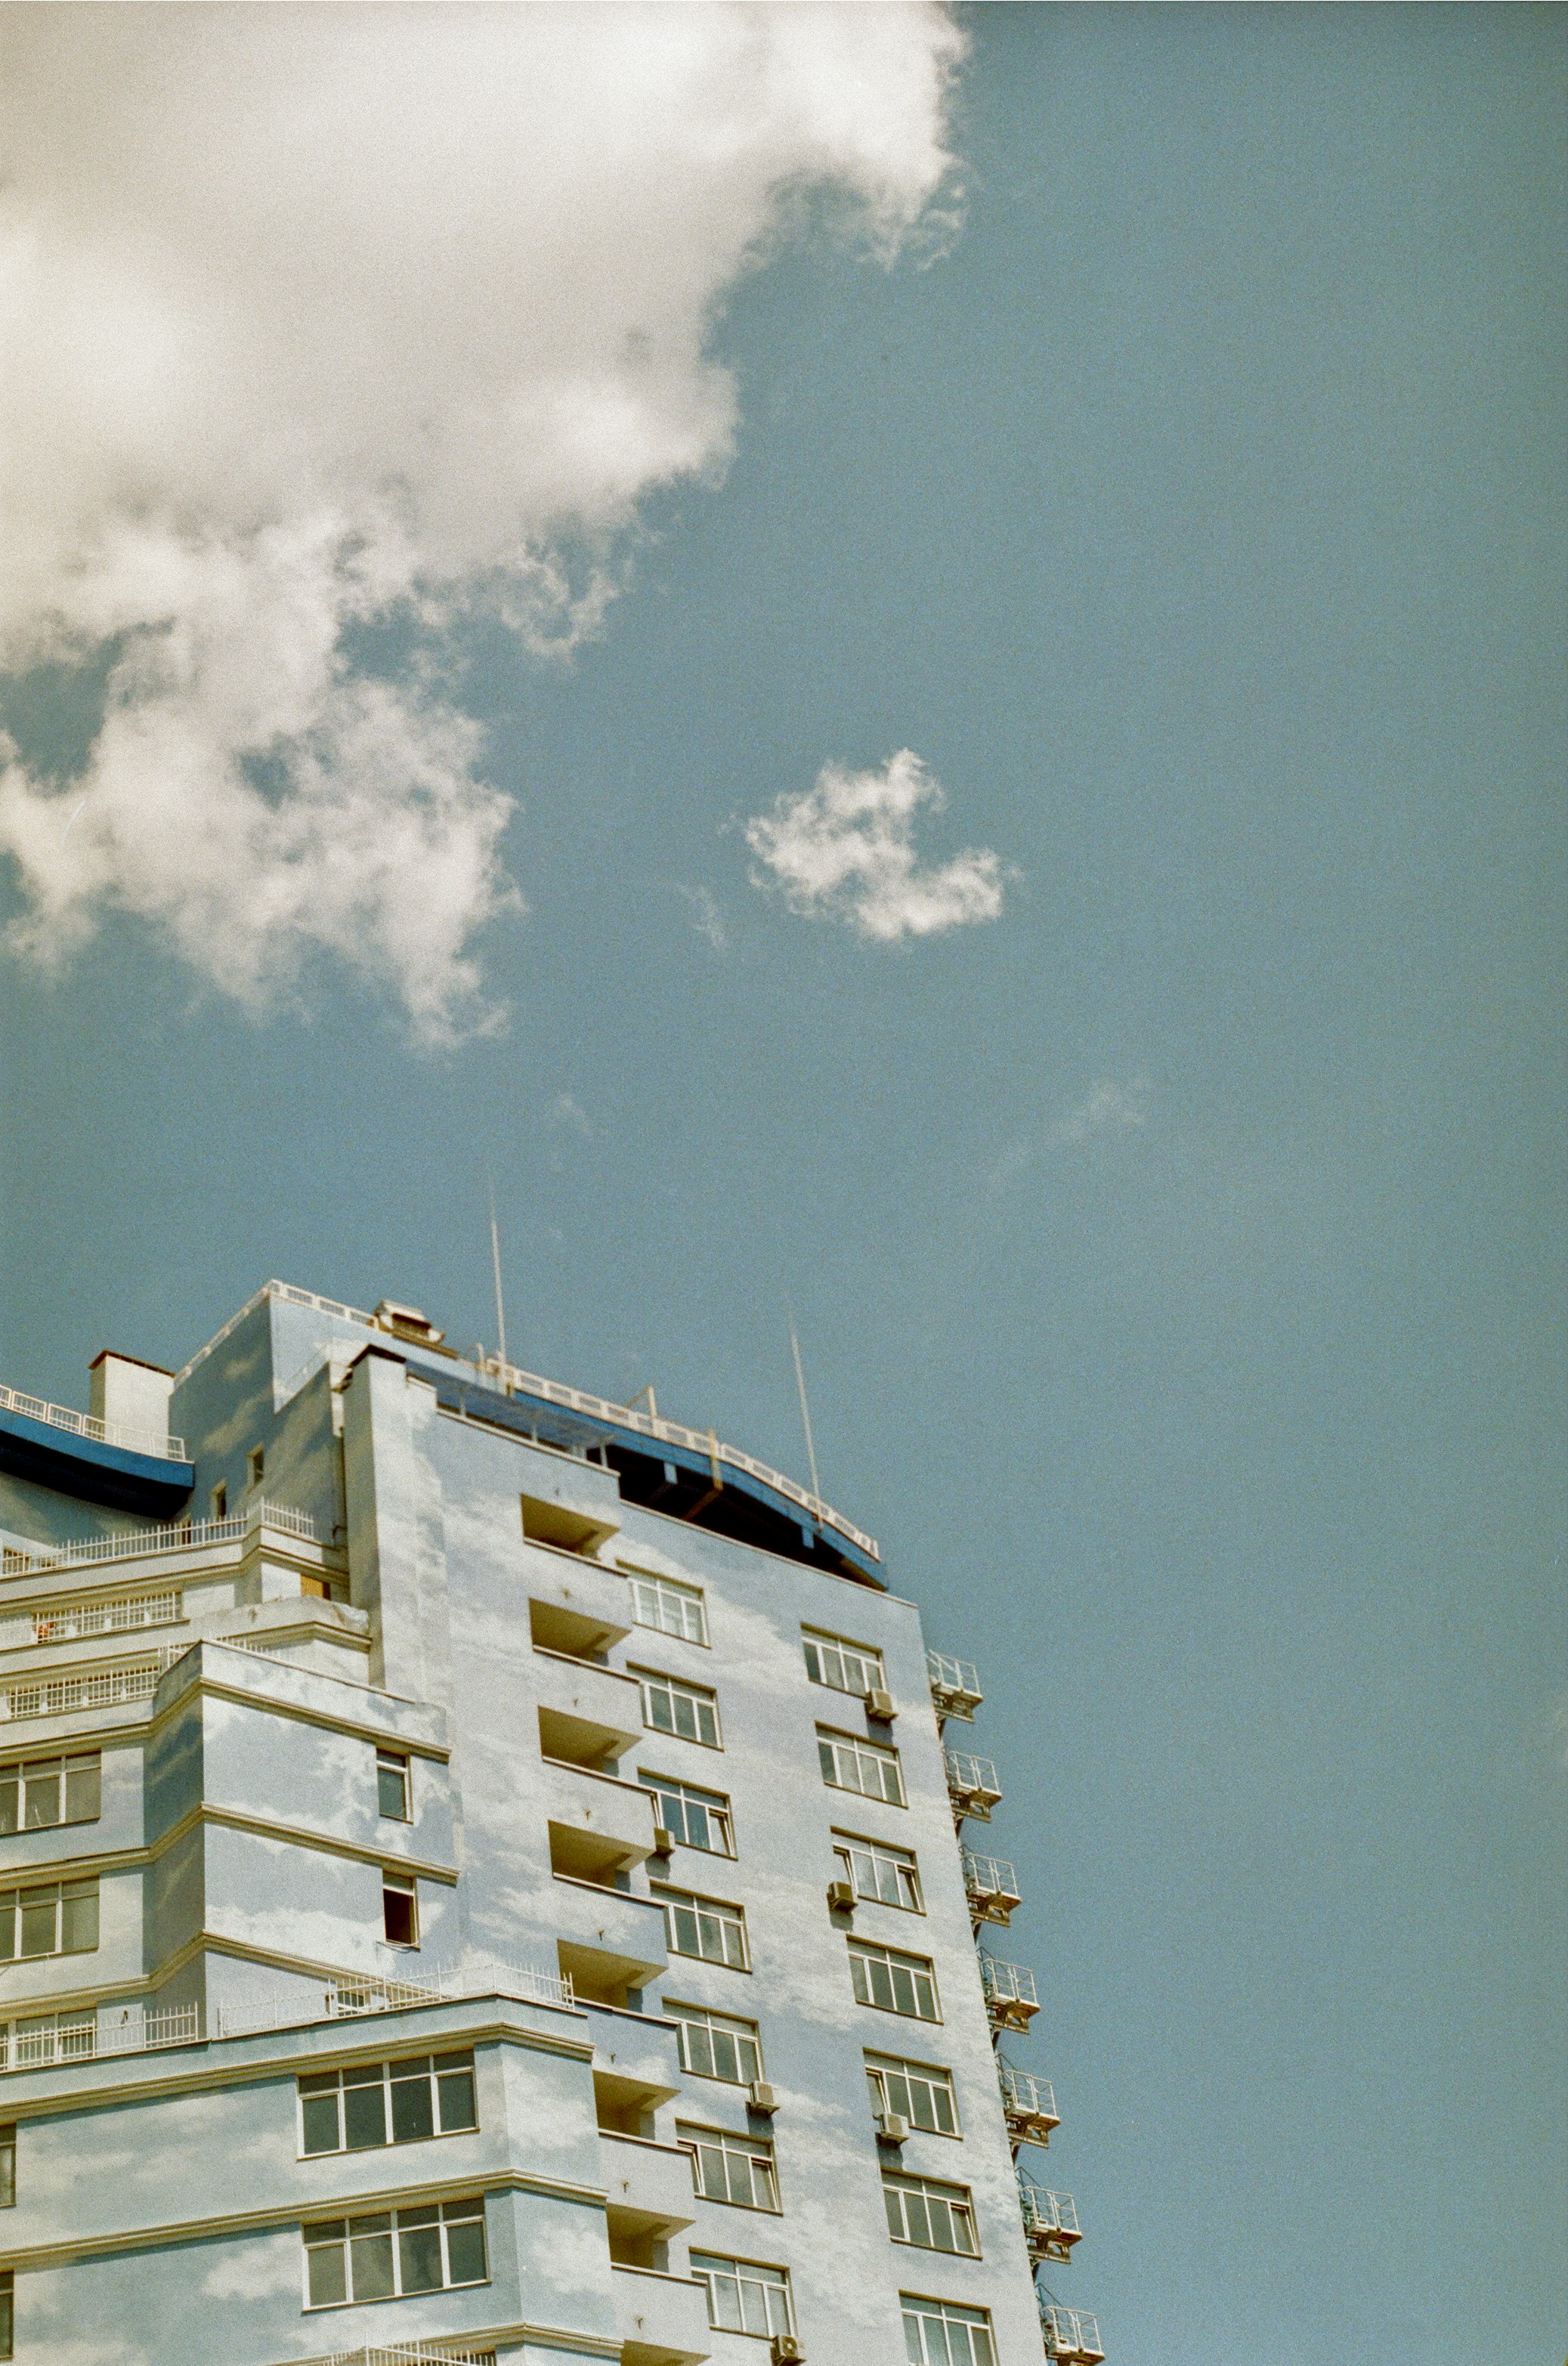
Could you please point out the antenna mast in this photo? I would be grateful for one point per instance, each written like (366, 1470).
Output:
(500, 1300)
(805, 1408)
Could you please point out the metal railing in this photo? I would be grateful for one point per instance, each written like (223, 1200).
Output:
(157, 1443)
(510, 1377)
(1072, 2335)
(1027, 2098)
(105, 1688)
(408, 2354)
(1050, 2220)
(972, 1785)
(60, 2038)
(955, 1685)
(991, 1886)
(1009, 1990)
(180, 1536)
(75, 1620)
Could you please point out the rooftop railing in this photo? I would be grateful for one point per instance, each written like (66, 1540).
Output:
(1050, 2220)
(1071, 2335)
(991, 1886)
(955, 1687)
(972, 1785)
(182, 1536)
(156, 1442)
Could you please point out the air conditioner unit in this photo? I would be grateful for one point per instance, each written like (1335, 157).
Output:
(893, 2127)
(786, 2350)
(840, 1896)
(761, 2097)
(880, 1704)
(663, 1840)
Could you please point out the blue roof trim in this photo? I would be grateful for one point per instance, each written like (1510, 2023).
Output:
(72, 1465)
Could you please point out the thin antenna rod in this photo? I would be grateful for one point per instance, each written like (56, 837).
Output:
(805, 1408)
(500, 1300)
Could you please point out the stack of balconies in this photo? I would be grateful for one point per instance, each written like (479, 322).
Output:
(1071, 2337)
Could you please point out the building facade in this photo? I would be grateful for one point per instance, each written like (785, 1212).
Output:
(487, 1874)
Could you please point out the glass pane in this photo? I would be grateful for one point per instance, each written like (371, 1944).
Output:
(457, 2103)
(39, 1914)
(372, 2256)
(365, 2115)
(8, 2168)
(319, 2120)
(660, 1712)
(419, 2258)
(392, 1789)
(43, 1787)
(466, 2250)
(328, 2278)
(9, 1792)
(82, 1803)
(412, 2114)
(79, 1918)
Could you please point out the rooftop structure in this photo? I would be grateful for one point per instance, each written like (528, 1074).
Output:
(482, 1864)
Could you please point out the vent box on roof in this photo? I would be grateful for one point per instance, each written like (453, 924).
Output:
(557, 1525)
(408, 1322)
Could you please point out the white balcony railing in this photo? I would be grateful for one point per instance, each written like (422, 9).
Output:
(408, 2354)
(1029, 2103)
(1071, 2335)
(156, 1442)
(991, 1886)
(955, 1687)
(73, 1621)
(184, 1536)
(105, 1688)
(972, 1785)
(81, 2037)
(1009, 1990)
(1050, 2220)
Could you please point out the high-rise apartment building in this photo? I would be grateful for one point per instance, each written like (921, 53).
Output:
(487, 1874)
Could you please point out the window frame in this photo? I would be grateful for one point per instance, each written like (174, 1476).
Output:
(903, 1861)
(679, 1687)
(777, 2282)
(399, 1766)
(465, 2211)
(724, 1910)
(946, 2313)
(314, 2086)
(72, 1768)
(713, 2023)
(693, 1598)
(937, 2076)
(831, 1740)
(8, 2164)
(917, 1967)
(756, 2154)
(395, 1883)
(935, 2193)
(714, 1805)
(812, 1640)
(20, 1899)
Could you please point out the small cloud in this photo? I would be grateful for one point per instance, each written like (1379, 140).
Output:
(567, 1110)
(1109, 1104)
(707, 919)
(844, 851)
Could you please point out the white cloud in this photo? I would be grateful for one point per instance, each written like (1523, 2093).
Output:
(845, 851)
(1109, 1104)
(322, 316)
(707, 918)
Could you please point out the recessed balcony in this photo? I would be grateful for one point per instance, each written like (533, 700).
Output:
(991, 1887)
(972, 1786)
(662, 2320)
(1050, 2221)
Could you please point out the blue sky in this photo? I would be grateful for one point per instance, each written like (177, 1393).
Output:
(1177, 1257)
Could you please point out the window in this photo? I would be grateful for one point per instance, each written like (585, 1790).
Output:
(700, 1820)
(896, 1983)
(670, 1707)
(256, 1467)
(57, 1918)
(8, 2166)
(395, 2251)
(387, 2102)
(744, 2297)
(843, 1667)
(704, 1927)
(866, 1767)
(671, 1609)
(7, 2314)
(916, 2091)
(876, 1870)
(37, 1792)
(939, 2332)
(400, 1910)
(218, 1499)
(713, 2045)
(731, 2169)
(392, 1785)
(937, 2217)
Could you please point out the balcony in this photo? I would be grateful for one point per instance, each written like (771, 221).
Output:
(1071, 2336)
(661, 2320)
(647, 2198)
(972, 1786)
(587, 1712)
(1009, 1990)
(408, 2354)
(599, 1826)
(1050, 2221)
(991, 1886)
(1030, 2106)
(956, 1687)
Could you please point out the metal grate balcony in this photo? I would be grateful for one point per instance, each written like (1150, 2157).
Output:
(1030, 2105)
(972, 1786)
(1009, 1989)
(1072, 2335)
(1050, 2221)
(956, 1687)
(991, 1886)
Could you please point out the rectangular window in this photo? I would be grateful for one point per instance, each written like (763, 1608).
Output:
(256, 1467)
(731, 2169)
(218, 1500)
(392, 1785)
(387, 2102)
(915, 2092)
(399, 1909)
(935, 2217)
(8, 2166)
(876, 1870)
(843, 1667)
(893, 1982)
(744, 2297)
(670, 1707)
(848, 1765)
(393, 2252)
(37, 1792)
(670, 1609)
(715, 2046)
(941, 2332)
(7, 2314)
(57, 1918)
(699, 1819)
(704, 1927)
